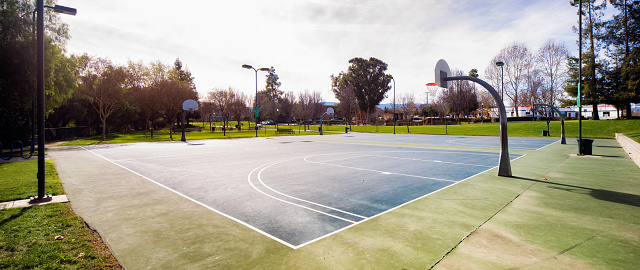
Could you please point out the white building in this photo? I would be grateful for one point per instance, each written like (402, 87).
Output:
(605, 112)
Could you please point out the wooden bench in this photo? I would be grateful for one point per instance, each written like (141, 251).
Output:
(285, 130)
(196, 128)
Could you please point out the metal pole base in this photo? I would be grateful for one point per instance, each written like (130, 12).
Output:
(36, 199)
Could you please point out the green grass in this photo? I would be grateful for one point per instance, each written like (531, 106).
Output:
(602, 129)
(27, 235)
(163, 135)
(28, 240)
(18, 180)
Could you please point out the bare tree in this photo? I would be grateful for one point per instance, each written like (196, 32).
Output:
(408, 107)
(172, 94)
(552, 61)
(517, 61)
(238, 107)
(287, 105)
(221, 100)
(461, 98)
(316, 104)
(103, 84)
(304, 107)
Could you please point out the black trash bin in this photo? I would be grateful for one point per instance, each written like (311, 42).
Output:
(545, 133)
(587, 145)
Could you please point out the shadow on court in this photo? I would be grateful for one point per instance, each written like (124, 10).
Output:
(600, 194)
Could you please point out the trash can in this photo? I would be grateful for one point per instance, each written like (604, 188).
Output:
(320, 130)
(587, 145)
(346, 129)
(545, 133)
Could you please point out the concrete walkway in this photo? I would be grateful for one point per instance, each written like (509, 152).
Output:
(29, 203)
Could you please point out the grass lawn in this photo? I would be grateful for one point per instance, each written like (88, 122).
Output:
(18, 180)
(28, 235)
(602, 129)
(163, 135)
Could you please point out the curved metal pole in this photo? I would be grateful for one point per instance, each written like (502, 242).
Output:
(504, 168)
(563, 140)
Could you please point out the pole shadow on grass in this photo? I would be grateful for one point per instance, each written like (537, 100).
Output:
(14, 216)
(600, 194)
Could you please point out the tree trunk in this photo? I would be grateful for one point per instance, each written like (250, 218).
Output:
(592, 83)
(104, 129)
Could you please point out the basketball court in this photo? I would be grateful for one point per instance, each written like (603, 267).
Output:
(297, 190)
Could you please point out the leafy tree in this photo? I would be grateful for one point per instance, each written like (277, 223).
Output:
(623, 40)
(103, 84)
(345, 94)
(18, 67)
(272, 87)
(369, 81)
(172, 94)
(182, 75)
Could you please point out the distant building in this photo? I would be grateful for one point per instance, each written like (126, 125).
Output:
(605, 111)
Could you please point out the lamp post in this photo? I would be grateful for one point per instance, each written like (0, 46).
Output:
(394, 104)
(256, 110)
(40, 84)
(501, 64)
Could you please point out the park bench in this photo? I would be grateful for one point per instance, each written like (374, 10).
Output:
(196, 128)
(285, 130)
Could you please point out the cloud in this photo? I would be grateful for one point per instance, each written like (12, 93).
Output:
(307, 41)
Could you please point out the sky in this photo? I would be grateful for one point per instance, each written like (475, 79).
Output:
(307, 41)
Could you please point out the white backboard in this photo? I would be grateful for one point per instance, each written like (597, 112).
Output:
(442, 70)
(190, 105)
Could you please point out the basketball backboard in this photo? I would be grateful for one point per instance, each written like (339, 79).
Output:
(190, 105)
(442, 71)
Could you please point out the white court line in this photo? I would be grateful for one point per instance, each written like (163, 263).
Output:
(394, 208)
(197, 202)
(285, 201)
(432, 160)
(371, 170)
(295, 198)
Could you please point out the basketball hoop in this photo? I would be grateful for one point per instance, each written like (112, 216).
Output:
(433, 89)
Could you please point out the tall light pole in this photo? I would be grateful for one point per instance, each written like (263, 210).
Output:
(579, 96)
(256, 109)
(501, 64)
(394, 104)
(40, 84)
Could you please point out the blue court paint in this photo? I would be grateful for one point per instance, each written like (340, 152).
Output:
(301, 191)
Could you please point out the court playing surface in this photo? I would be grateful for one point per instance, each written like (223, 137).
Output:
(297, 190)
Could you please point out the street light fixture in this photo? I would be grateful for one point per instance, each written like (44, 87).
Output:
(501, 64)
(40, 84)
(256, 109)
(63, 10)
